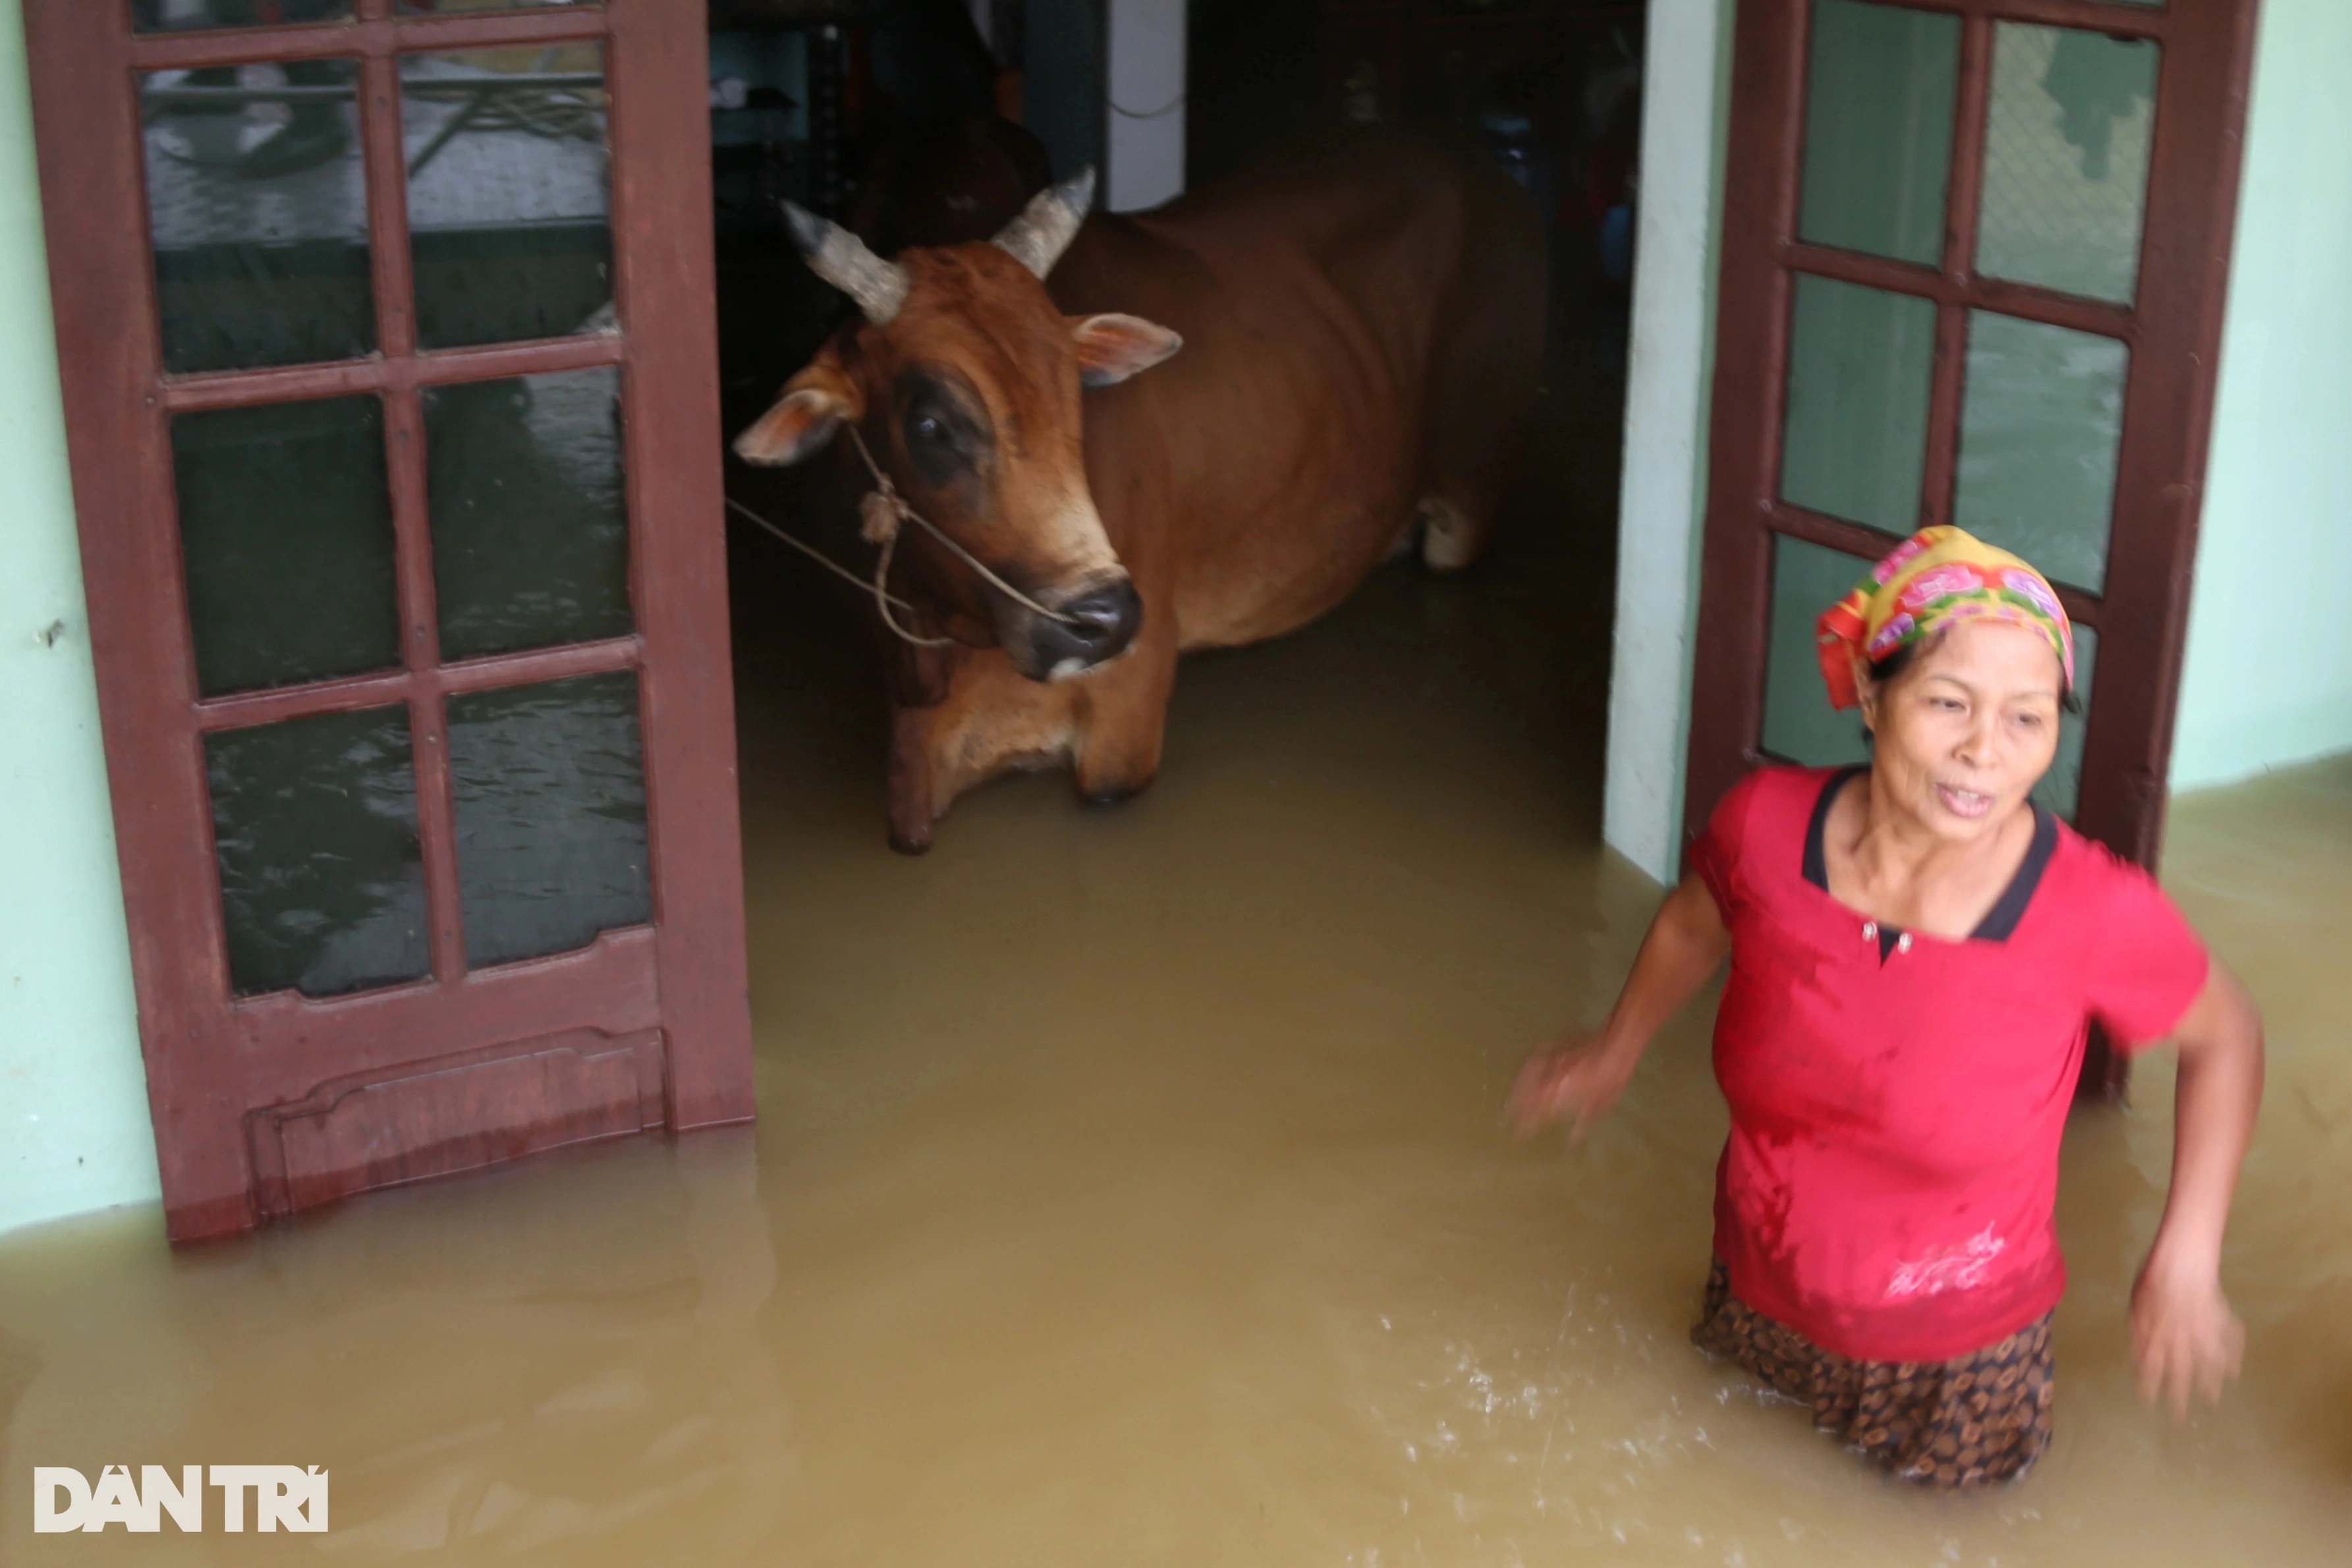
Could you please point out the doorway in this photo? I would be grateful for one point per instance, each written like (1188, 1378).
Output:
(1550, 88)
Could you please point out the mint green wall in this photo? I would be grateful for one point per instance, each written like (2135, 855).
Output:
(2269, 675)
(74, 1132)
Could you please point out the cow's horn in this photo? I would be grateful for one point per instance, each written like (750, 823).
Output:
(1047, 224)
(841, 259)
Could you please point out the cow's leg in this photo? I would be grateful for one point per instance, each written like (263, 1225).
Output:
(1452, 536)
(1488, 361)
(910, 789)
(1124, 720)
(992, 718)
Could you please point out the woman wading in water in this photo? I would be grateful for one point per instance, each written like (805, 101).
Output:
(1916, 953)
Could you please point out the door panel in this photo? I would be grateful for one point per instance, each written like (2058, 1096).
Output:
(1974, 260)
(388, 361)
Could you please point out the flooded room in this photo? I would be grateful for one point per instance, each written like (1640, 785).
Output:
(1313, 782)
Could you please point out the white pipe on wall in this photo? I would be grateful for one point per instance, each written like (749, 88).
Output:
(1660, 509)
(1145, 112)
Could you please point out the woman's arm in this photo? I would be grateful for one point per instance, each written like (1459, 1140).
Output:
(2184, 1335)
(1685, 944)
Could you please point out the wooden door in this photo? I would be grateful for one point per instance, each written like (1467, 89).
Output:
(388, 360)
(1974, 258)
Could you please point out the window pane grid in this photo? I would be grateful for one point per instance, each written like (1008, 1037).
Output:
(1960, 292)
(388, 205)
(336, 378)
(269, 707)
(378, 35)
(2028, 301)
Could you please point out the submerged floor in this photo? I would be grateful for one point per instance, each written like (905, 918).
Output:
(1129, 1191)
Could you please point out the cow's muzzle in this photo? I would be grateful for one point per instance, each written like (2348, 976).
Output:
(1092, 625)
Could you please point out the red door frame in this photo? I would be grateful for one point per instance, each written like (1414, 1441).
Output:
(647, 1026)
(2173, 331)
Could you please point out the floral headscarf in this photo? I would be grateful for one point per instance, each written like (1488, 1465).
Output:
(1935, 577)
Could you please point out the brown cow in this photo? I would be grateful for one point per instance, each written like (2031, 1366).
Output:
(1362, 328)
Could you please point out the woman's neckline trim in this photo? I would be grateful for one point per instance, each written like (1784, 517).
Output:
(2000, 922)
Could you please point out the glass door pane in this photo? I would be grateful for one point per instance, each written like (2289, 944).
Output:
(257, 215)
(1800, 726)
(1878, 128)
(551, 798)
(286, 542)
(1859, 364)
(509, 203)
(531, 527)
(2041, 425)
(314, 828)
(2065, 169)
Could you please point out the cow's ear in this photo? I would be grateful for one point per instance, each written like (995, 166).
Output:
(813, 404)
(1112, 348)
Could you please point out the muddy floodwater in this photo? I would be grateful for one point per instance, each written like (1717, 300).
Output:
(1129, 1190)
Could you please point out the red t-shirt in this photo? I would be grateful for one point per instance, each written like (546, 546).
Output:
(1897, 1100)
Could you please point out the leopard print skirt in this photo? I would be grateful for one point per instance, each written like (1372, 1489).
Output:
(1959, 1424)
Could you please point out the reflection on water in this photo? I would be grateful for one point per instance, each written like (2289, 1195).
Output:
(314, 826)
(508, 193)
(285, 541)
(1130, 1190)
(530, 532)
(550, 788)
(256, 203)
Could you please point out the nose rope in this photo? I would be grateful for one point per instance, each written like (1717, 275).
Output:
(883, 598)
(879, 514)
(884, 509)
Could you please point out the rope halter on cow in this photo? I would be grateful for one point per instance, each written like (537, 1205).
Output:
(880, 514)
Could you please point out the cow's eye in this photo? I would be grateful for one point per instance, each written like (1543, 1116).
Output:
(942, 442)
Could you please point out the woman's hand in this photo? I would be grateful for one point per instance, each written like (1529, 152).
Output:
(1686, 941)
(2184, 1336)
(1581, 1078)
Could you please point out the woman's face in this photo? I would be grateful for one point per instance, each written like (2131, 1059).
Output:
(1964, 734)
